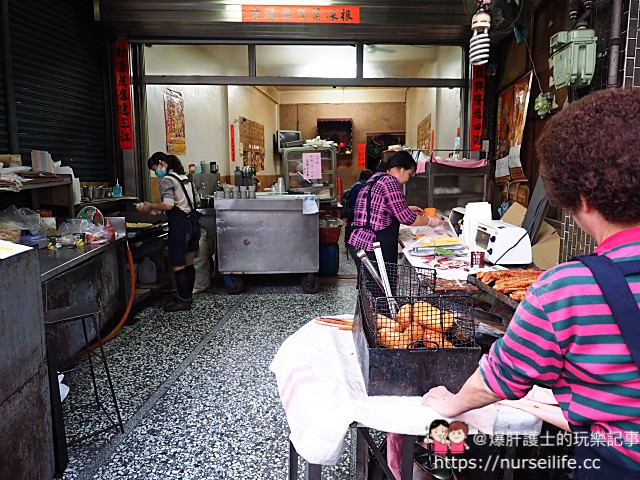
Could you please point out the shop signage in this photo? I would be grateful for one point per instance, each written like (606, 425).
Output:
(300, 14)
(123, 95)
(312, 165)
(477, 107)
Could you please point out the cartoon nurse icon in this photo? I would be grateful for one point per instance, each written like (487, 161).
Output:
(458, 432)
(437, 437)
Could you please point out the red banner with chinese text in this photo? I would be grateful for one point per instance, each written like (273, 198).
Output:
(124, 116)
(232, 139)
(300, 14)
(477, 107)
(362, 156)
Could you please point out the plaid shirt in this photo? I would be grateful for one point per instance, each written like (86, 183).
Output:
(387, 201)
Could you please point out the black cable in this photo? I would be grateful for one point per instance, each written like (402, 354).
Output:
(526, 232)
(511, 248)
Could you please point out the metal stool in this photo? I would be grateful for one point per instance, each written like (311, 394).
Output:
(87, 315)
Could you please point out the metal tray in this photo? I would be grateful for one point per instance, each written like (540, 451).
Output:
(506, 299)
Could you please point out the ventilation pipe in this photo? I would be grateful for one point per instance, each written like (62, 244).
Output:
(614, 43)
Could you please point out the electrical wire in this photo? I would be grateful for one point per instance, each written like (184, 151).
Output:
(125, 315)
(527, 232)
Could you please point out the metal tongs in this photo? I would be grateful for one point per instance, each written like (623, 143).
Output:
(381, 278)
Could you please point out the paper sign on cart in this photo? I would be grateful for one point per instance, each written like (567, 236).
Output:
(9, 249)
(311, 165)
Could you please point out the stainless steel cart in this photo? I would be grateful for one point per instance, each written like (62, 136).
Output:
(269, 234)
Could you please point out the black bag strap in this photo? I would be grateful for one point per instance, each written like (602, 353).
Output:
(610, 276)
(367, 224)
(185, 190)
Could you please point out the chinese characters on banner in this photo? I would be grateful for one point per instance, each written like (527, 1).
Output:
(362, 156)
(174, 122)
(477, 107)
(124, 115)
(300, 14)
(312, 166)
(232, 138)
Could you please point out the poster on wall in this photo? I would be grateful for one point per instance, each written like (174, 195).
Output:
(252, 144)
(424, 134)
(513, 103)
(174, 122)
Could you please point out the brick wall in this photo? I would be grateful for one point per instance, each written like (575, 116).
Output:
(573, 240)
(631, 50)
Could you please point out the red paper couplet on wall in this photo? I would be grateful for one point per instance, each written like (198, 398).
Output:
(124, 116)
(477, 107)
(232, 135)
(362, 156)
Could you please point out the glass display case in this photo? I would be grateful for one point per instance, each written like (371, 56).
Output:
(293, 168)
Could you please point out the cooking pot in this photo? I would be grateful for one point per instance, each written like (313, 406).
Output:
(88, 192)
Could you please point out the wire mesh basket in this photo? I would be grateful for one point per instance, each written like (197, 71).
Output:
(439, 321)
(405, 280)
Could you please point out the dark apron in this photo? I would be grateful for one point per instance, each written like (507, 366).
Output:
(388, 237)
(610, 276)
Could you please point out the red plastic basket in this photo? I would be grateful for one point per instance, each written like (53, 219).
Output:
(330, 235)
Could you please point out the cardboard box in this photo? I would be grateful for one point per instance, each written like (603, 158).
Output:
(546, 246)
(8, 160)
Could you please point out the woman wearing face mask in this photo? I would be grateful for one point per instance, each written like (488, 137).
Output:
(179, 199)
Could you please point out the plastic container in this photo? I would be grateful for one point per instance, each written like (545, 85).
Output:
(329, 260)
(147, 273)
(430, 212)
(116, 191)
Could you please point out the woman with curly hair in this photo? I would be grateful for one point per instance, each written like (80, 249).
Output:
(578, 329)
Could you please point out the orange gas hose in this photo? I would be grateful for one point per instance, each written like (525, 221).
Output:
(125, 315)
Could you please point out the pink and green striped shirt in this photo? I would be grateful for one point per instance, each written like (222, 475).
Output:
(563, 336)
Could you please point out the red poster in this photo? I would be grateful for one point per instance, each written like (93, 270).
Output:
(477, 107)
(362, 156)
(300, 14)
(124, 117)
(232, 131)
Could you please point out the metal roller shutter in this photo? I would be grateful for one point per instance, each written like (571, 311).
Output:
(58, 68)
(4, 130)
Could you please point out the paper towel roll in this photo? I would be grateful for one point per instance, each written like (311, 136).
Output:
(77, 195)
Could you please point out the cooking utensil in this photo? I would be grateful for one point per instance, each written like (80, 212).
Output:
(377, 250)
(393, 306)
(89, 192)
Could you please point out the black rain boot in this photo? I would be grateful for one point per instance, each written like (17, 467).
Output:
(191, 270)
(183, 301)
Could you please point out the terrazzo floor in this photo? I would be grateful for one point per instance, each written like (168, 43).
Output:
(195, 393)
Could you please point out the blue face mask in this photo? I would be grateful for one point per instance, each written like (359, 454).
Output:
(161, 172)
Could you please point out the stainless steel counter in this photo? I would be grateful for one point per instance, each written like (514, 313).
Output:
(56, 262)
(270, 234)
